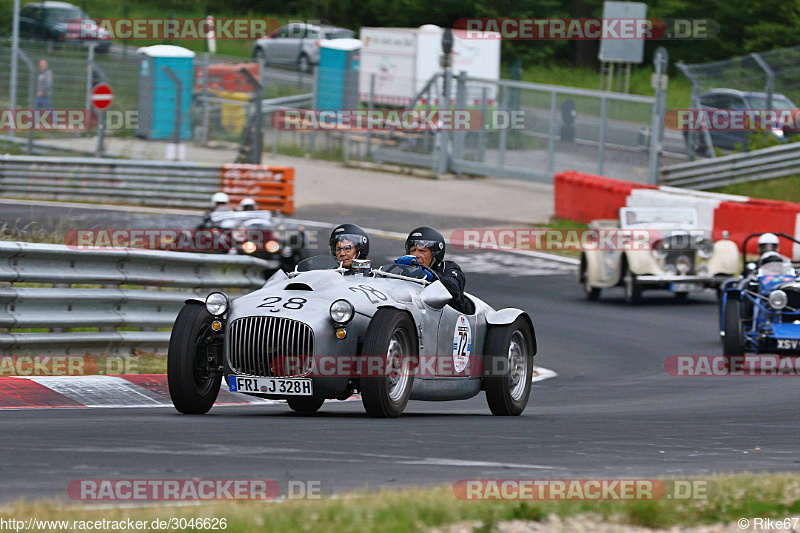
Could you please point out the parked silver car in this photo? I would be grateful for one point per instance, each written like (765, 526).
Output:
(323, 332)
(296, 44)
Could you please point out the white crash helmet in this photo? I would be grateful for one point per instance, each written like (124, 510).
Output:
(220, 198)
(770, 257)
(768, 243)
(248, 204)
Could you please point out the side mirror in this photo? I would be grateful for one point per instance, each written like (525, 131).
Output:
(279, 275)
(435, 295)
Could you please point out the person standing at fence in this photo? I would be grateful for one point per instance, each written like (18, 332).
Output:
(44, 86)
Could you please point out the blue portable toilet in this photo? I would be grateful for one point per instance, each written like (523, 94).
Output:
(157, 91)
(337, 80)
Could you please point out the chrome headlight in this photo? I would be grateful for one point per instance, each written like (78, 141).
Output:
(660, 251)
(778, 299)
(217, 303)
(342, 311)
(683, 264)
(705, 247)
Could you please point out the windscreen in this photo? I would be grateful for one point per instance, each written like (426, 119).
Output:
(658, 217)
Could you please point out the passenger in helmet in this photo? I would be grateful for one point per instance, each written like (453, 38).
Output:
(771, 257)
(220, 201)
(348, 242)
(248, 204)
(426, 246)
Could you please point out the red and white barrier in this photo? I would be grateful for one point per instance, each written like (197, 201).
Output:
(586, 197)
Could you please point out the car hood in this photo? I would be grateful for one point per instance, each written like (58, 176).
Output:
(320, 288)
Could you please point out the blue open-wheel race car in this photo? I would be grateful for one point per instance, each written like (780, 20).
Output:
(760, 309)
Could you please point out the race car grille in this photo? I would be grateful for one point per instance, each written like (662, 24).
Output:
(270, 346)
(793, 297)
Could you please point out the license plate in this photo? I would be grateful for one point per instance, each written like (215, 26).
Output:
(787, 344)
(686, 287)
(280, 386)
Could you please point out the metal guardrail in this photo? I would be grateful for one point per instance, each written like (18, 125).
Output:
(773, 162)
(115, 305)
(156, 183)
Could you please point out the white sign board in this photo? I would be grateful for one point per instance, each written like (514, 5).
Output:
(622, 50)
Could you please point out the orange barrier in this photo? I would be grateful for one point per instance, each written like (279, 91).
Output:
(271, 187)
(227, 77)
(586, 197)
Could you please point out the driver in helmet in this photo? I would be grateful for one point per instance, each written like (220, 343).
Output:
(220, 201)
(348, 242)
(247, 204)
(768, 249)
(426, 246)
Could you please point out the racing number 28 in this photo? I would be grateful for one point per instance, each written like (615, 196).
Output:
(292, 303)
(367, 290)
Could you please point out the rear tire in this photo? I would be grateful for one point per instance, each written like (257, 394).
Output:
(391, 333)
(510, 348)
(305, 406)
(733, 341)
(682, 296)
(192, 387)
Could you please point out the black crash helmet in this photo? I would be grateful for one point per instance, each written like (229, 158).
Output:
(351, 233)
(429, 238)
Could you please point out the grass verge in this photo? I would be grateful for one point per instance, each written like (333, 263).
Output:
(774, 496)
(786, 189)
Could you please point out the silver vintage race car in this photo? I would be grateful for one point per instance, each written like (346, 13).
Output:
(323, 332)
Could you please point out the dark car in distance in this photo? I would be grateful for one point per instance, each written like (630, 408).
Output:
(739, 100)
(57, 23)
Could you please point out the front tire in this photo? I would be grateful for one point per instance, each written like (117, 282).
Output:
(509, 347)
(305, 405)
(592, 293)
(260, 57)
(391, 334)
(633, 291)
(733, 341)
(304, 64)
(193, 384)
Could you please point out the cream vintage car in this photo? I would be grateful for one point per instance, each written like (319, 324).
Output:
(660, 248)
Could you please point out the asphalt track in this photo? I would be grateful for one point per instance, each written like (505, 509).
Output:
(612, 412)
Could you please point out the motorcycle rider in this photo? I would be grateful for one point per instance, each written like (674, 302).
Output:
(348, 242)
(426, 246)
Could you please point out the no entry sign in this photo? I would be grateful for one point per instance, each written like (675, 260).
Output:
(102, 96)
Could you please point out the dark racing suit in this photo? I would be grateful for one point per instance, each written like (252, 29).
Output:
(453, 279)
